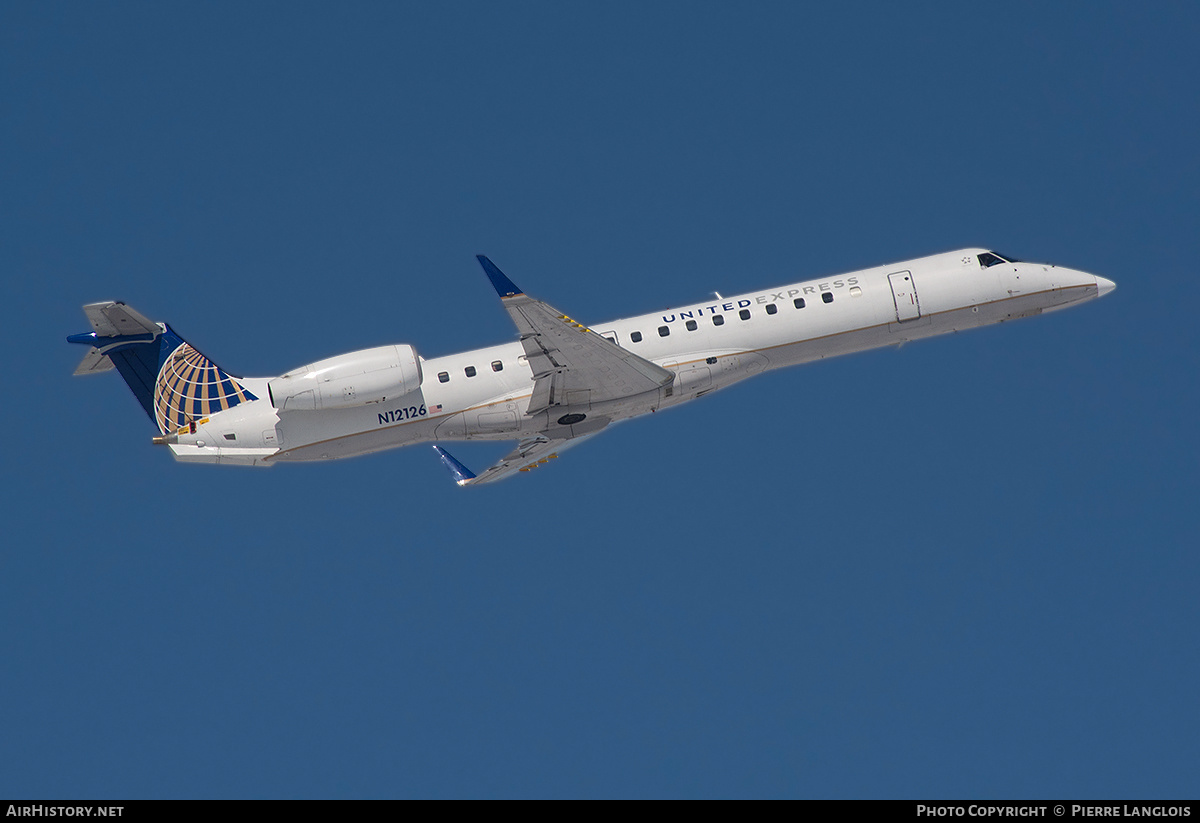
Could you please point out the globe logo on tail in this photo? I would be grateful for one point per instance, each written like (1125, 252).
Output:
(191, 387)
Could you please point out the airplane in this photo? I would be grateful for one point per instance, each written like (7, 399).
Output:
(561, 382)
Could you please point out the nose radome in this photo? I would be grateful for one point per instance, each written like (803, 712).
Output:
(1104, 286)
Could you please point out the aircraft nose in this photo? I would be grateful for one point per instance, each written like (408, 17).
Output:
(1104, 286)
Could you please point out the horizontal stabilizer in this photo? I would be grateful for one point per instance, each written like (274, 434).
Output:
(94, 363)
(112, 319)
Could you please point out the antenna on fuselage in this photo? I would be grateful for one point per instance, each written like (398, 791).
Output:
(718, 294)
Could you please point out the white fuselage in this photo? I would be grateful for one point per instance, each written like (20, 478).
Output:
(708, 345)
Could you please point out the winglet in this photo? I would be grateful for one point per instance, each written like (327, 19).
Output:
(462, 475)
(504, 286)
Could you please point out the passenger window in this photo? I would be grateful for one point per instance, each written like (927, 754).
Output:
(470, 371)
(712, 361)
(497, 365)
(691, 325)
(444, 377)
(663, 331)
(827, 296)
(772, 308)
(636, 337)
(744, 314)
(798, 302)
(718, 319)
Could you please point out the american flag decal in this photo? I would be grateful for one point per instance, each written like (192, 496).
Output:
(435, 409)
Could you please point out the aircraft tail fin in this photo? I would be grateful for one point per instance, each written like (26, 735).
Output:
(175, 383)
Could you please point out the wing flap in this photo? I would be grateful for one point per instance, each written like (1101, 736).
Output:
(94, 363)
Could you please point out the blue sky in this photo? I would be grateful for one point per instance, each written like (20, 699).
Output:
(966, 568)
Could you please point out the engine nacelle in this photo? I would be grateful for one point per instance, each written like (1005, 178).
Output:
(354, 379)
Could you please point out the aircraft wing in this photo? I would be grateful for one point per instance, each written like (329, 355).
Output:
(527, 456)
(572, 365)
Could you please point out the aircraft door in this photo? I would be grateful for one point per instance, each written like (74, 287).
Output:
(904, 293)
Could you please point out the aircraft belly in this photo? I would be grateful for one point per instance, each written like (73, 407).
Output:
(355, 443)
(497, 421)
(225, 457)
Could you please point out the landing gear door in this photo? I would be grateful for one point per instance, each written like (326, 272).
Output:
(904, 293)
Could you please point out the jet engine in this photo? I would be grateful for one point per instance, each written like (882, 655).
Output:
(354, 379)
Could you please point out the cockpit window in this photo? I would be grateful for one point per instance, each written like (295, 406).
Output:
(988, 259)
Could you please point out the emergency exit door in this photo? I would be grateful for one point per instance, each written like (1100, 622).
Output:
(904, 292)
